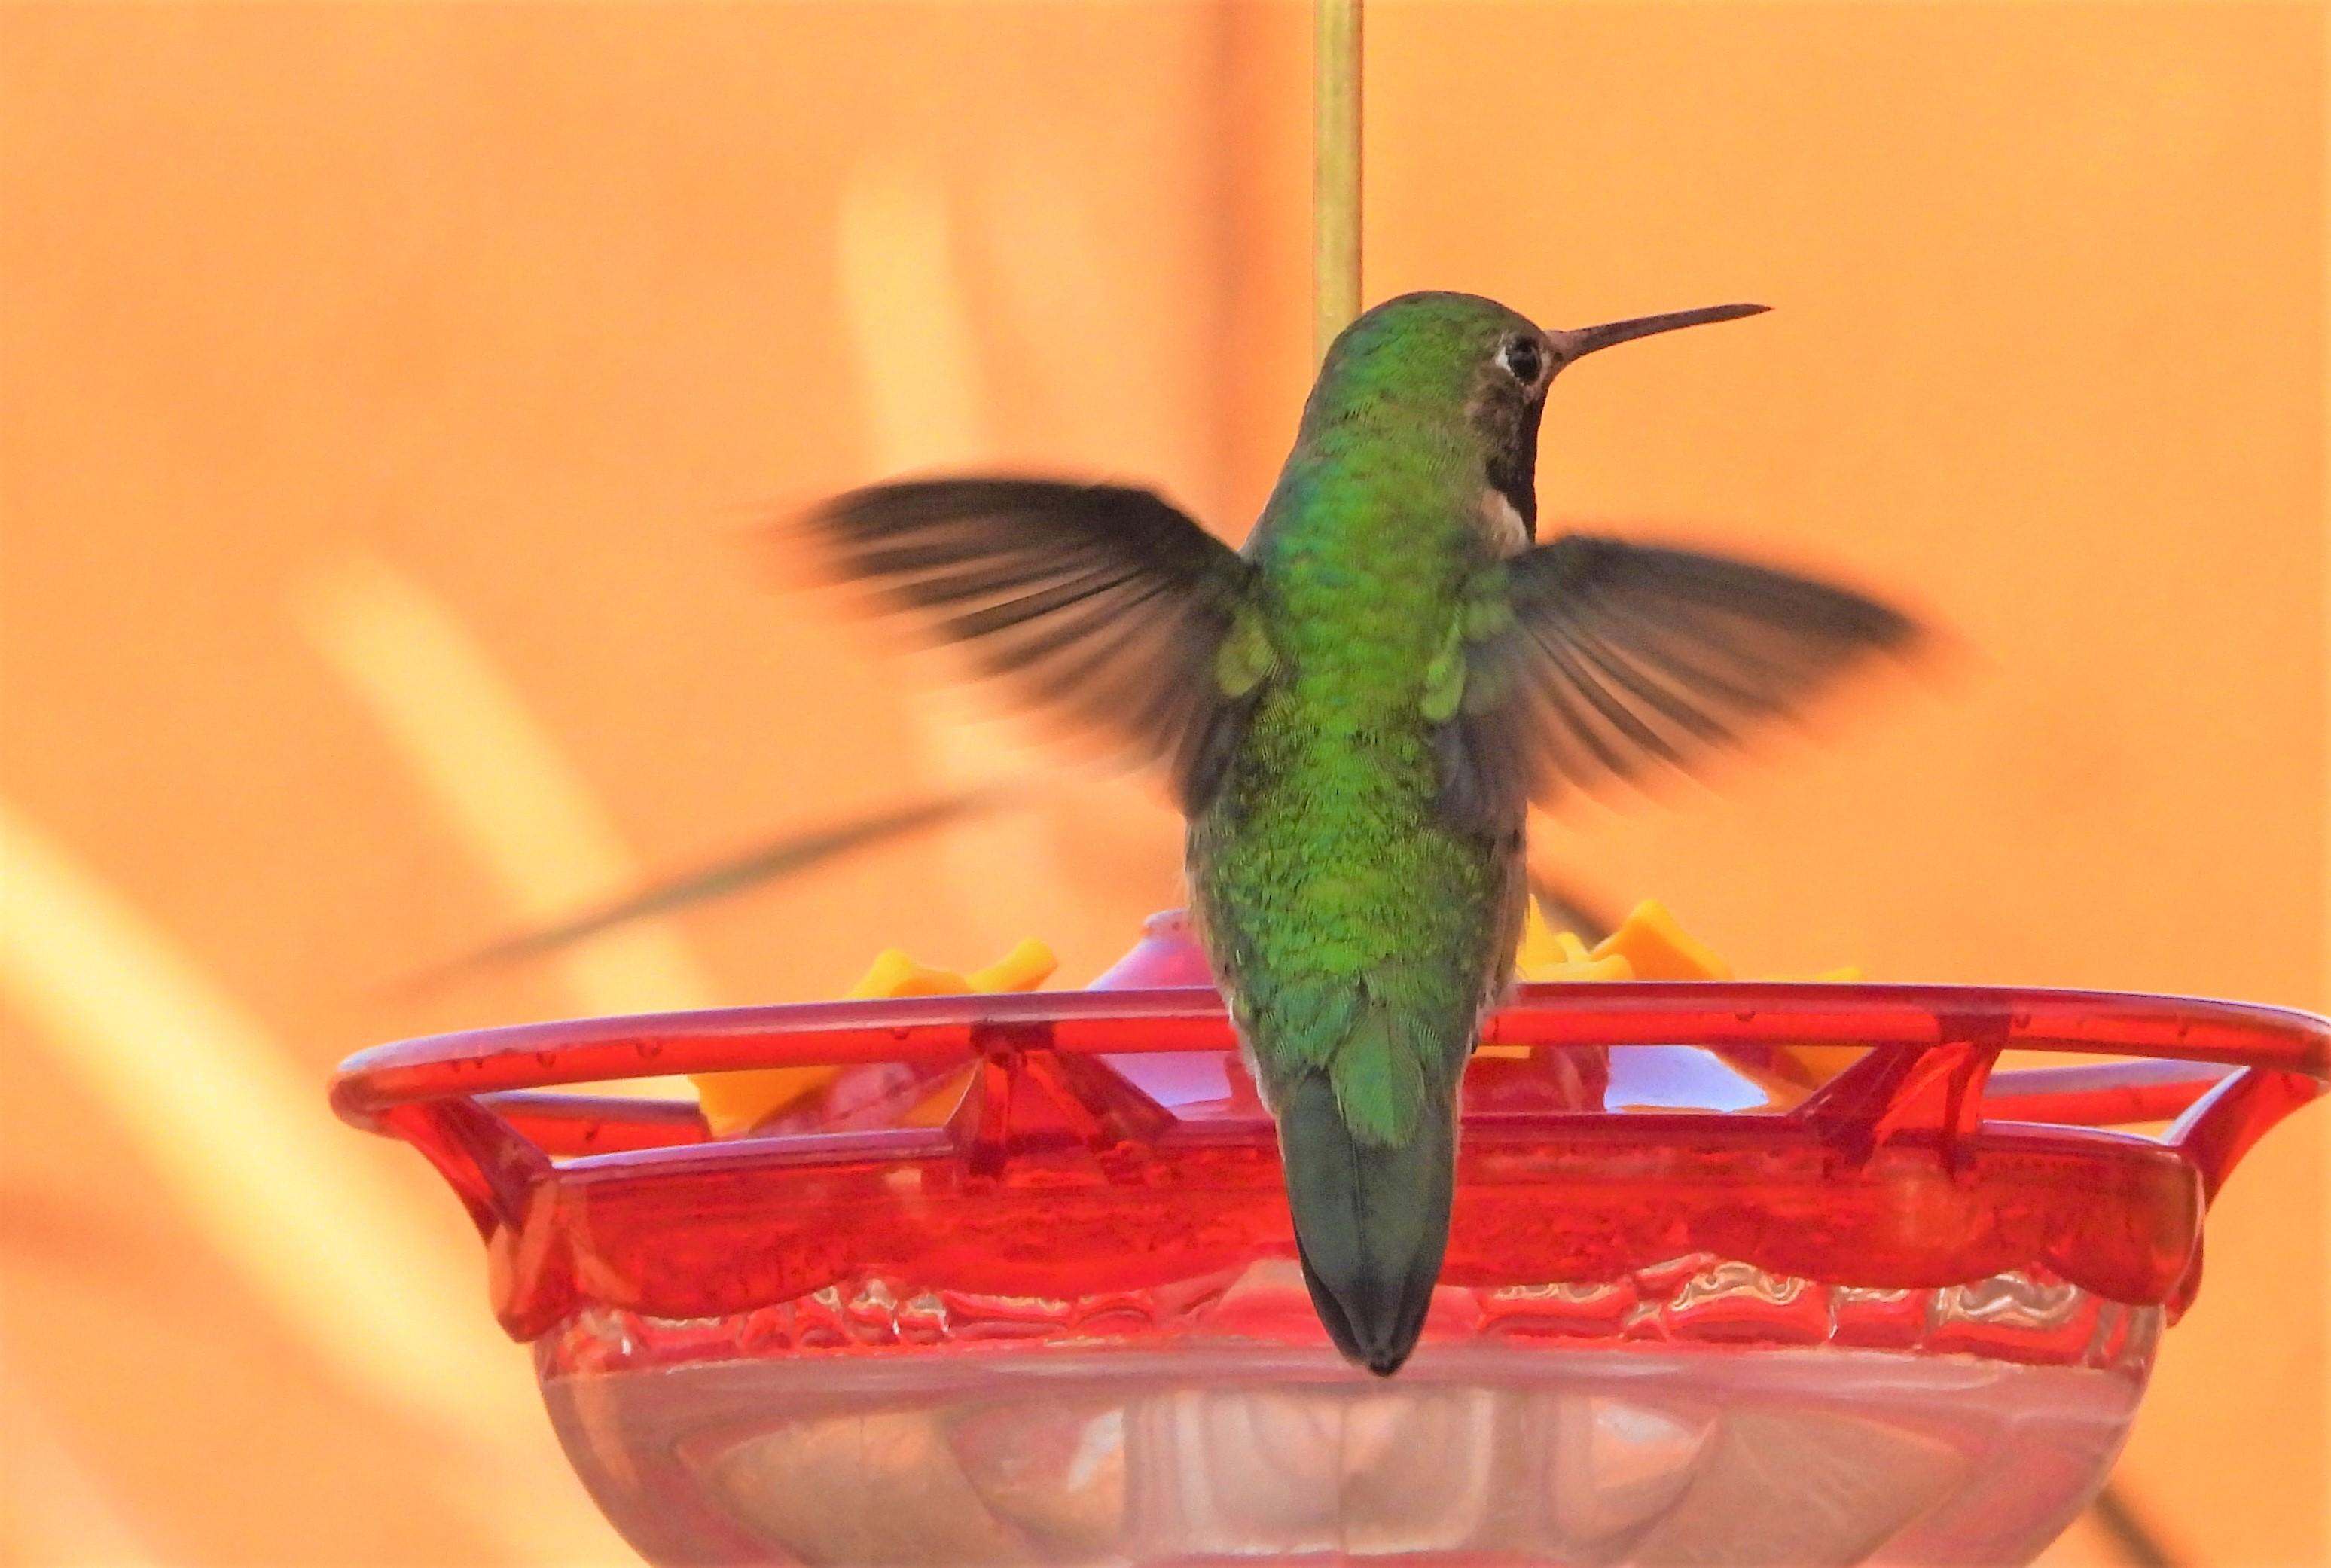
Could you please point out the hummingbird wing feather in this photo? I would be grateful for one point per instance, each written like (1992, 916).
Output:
(1105, 604)
(1587, 657)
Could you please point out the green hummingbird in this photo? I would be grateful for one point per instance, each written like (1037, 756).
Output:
(1356, 712)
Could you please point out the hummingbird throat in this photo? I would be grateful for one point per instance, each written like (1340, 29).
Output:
(1511, 465)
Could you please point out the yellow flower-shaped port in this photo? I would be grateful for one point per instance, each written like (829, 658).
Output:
(737, 1102)
(1650, 945)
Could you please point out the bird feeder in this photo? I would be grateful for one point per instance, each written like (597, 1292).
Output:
(1906, 1318)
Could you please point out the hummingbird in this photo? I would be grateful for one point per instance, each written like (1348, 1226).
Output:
(1355, 713)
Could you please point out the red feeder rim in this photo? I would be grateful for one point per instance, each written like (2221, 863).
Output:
(1916, 1167)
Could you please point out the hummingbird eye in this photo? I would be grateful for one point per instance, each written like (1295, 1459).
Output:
(1523, 358)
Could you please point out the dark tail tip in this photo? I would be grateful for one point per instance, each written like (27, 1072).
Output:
(1371, 1224)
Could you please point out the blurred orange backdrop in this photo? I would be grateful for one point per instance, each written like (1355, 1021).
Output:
(391, 392)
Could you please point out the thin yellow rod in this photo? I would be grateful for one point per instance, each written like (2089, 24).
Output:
(1336, 171)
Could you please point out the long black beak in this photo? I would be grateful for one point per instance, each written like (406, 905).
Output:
(1587, 340)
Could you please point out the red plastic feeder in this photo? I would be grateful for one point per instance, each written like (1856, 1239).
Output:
(1907, 1320)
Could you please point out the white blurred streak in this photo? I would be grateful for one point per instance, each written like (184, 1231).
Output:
(519, 805)
(242, 1137)
(917, 374)
(1098, 351)
(293, 1201)
(909, 326)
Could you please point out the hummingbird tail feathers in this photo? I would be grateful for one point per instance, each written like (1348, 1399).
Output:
(1371, 1218)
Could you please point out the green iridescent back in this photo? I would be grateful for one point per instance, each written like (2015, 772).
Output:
(1328, 887)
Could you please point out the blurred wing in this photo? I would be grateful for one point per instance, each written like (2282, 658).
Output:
(1587, 659)
(1102, 603)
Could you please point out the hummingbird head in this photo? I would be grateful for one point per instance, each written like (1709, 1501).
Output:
(1426, 358)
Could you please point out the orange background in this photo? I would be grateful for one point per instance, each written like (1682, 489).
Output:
(391, 390)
